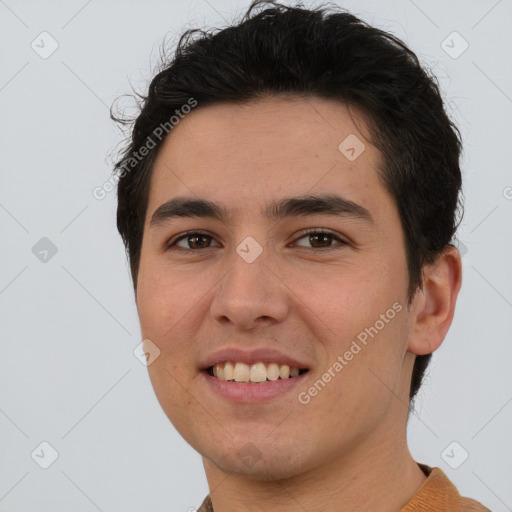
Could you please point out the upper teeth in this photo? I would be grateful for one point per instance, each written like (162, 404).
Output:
(258, 372)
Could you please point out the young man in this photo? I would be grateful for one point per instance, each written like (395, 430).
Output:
(287, 202)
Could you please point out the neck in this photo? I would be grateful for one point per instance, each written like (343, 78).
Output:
(380, 474)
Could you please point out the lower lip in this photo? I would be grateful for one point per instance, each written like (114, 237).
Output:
(249, 393)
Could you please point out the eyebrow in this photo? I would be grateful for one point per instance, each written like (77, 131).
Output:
(330, 205)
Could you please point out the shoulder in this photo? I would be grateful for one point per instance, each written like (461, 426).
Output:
(438, 493)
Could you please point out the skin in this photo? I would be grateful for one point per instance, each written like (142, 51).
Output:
(346, 449)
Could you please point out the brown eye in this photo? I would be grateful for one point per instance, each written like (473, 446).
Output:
(194, 240)
(321, 239)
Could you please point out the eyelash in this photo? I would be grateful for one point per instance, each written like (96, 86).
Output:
(312, 231)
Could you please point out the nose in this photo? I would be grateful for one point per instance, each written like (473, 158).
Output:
(251, 292)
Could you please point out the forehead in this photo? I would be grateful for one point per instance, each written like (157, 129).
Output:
(242, 153)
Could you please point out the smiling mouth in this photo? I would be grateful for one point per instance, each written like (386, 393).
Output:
(254, 373)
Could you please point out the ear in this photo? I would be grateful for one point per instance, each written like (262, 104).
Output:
(434, 305)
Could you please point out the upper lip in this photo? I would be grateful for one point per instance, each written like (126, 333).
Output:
(251, 356)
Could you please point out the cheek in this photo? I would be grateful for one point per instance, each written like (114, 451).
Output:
(353, 296)
(170, 308)
(163, 298)
(365, 312)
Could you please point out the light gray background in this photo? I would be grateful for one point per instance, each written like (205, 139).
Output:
(68, 375)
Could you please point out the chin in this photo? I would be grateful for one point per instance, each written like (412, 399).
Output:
(267, 464)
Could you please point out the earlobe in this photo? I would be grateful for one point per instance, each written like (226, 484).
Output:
(434, 304)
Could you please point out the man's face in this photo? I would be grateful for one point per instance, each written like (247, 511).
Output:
(250, 282)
